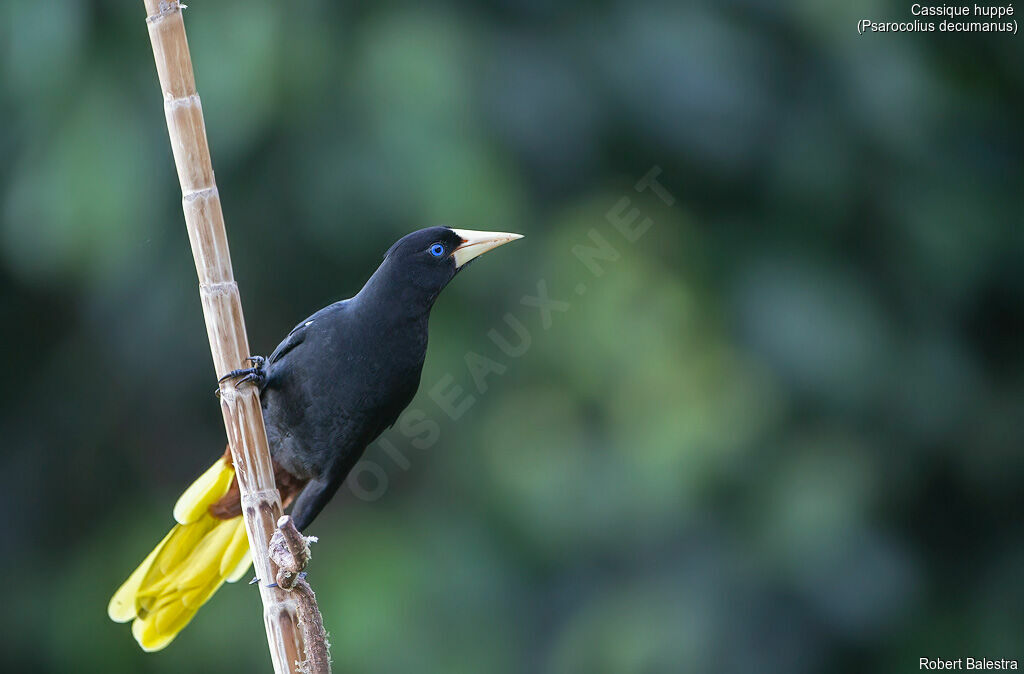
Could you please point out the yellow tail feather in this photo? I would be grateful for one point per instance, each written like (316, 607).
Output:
(187, 567)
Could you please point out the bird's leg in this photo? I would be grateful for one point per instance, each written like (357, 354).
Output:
(257, 374)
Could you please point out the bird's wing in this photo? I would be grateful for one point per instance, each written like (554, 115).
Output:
(294, 338)
(298, 333)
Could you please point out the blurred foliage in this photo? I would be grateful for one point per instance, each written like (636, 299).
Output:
(781, 433)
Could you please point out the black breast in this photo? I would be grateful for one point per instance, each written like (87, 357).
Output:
(334, 384)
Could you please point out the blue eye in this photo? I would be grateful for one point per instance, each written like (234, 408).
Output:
(437, 250)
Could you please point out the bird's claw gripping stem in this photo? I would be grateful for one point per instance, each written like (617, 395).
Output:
(256, 374)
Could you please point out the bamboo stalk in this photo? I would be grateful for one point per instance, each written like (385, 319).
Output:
(222, 309)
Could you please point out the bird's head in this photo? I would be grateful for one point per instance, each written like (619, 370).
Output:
(423, 262)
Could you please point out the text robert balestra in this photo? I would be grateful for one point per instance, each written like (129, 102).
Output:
(937, 664)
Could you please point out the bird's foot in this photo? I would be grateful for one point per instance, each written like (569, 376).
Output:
(257, 374)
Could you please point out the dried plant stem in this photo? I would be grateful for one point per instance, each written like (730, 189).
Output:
(289, 550)
(291, 642)
(318, 657)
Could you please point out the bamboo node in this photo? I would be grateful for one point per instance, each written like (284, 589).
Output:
(260, 496)
(231, 396)
(203, 193)
(190, 101)
(167, 7)
(219, 287)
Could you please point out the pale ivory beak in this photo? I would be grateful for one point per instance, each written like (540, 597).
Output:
(475, 244)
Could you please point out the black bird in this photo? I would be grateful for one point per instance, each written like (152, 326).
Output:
(336, 382)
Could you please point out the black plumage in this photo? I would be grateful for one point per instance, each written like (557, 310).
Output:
(343, 375)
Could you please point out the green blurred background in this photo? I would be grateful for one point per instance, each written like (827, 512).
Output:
(782, 432)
